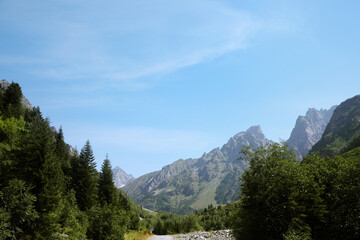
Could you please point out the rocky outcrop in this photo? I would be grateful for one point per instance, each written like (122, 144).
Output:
(309, 129)
(121, 178)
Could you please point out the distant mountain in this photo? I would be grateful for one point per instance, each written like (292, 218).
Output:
(343, 131)
(309, 129)
(188, 185)
(121, 178)
(5, 84)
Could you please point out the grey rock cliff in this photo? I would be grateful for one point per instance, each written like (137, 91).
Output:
(309, 129)
(121, 178)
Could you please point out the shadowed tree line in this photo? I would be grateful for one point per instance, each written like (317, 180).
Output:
(46, 192)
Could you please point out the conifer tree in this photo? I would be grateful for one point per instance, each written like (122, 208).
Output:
(107, 189)
(12, 100)
(61, 149)
(63, 155)
(85, 178)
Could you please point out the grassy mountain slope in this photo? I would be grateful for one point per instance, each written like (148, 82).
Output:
(343, 131)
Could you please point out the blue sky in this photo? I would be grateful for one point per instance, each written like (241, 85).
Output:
(149, 82)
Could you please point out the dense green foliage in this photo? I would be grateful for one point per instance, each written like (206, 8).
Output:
(283, 198)
(216, 218)
(45, 193)
(210, 219)
(168, 223)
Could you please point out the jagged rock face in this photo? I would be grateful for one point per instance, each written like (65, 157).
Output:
(309, 129)
(121, 178)
(252, 137)
(195, 183)
(5, 84)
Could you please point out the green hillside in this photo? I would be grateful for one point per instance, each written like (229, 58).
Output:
(343, 131)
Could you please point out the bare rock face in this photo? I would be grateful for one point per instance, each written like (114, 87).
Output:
(309, 129)
(121, 178)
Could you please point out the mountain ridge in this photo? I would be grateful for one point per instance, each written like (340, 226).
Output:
(343, 129)
(192, 184)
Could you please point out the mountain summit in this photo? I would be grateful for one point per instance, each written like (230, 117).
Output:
(121, 178)
(191, 184)
(309, 129)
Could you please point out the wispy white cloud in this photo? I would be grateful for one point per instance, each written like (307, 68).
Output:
(123, 40)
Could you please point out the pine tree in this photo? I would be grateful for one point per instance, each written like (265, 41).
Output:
(107, 189)
(61, 149)
(12, 100)
(85, 178)
(63, 155)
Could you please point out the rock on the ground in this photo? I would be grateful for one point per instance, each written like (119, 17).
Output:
(216, 235)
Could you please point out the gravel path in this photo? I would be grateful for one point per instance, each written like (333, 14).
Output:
(215, 235)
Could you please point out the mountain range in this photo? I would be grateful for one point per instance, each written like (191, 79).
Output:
(193, 184)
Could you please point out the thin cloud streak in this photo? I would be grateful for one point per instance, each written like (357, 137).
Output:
(81, 47)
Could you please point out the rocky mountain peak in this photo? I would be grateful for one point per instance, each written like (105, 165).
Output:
(253, 136)
(255, 130)
(121, 178)
(309, 129)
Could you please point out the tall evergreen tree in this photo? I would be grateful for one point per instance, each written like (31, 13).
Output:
(12, 100)
(85, 178)
(63, 155)
(61, 149)
(107, 189)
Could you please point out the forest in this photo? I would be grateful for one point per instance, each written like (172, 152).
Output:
(49, 192)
